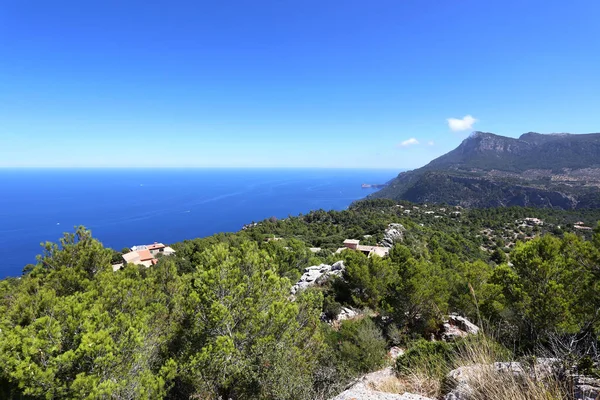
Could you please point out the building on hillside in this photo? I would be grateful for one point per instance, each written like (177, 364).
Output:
(354, 244)
(144, 255)
(581, 225)
(351, 244)
(533, 221)
(154, 249)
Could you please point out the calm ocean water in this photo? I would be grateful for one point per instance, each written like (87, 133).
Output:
(136, 206)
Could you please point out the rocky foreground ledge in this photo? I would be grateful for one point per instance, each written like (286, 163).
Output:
(475, 381)
(464, 382)
(367, 388)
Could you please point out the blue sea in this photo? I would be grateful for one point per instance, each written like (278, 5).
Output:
(125, 207)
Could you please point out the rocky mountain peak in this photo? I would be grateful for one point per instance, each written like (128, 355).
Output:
(480, 145)
(546, 170)
(480, 134)
(485, 141)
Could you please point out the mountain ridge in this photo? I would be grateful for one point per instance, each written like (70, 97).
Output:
(488, 170)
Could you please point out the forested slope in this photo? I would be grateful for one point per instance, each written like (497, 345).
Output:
(489, 170)
(217, 319)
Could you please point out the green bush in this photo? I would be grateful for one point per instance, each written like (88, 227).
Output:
(587, 366)
(331, 308)
(395, 336)
(360, 345)
(435, 358)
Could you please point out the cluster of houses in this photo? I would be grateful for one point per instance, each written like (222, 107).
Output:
(144, 255)
(354, 244)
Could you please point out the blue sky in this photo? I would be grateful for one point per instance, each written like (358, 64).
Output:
(335, 83)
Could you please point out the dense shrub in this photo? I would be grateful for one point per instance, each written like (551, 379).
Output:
(437, 358)
(217, 319)
(359, 345)
(331, 308)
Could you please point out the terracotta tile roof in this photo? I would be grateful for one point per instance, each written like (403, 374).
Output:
(145, 255)
(155, 246)
(131, 257)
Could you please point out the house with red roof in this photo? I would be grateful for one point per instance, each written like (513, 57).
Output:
(144, 255)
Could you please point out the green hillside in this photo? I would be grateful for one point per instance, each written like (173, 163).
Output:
(488, 170)
(216, 320)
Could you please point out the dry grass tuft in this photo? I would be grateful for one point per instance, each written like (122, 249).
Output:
(512, 382)
(422, 384)
(476, 376)
(412, 383)
(500, 385)
(389, 385)
(483, 350)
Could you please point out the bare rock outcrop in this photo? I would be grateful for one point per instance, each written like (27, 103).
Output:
(586, 388)
(347, 313)
(455, 327)
(394, 233)
(464, 380)
(317, 274)
(366, 388)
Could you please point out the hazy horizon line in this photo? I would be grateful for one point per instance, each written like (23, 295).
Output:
(190, 168)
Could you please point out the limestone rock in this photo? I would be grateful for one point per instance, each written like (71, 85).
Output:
(394, 233)
(546, 367)
(455, 327)
(338, 266)
(365, 394)
(586, 388)
(514, 368)
(365, 388)
(317, 274)
(463, 378)
(347, 313)
(395, 352)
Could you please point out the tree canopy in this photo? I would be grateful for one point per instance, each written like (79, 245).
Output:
(217, 320)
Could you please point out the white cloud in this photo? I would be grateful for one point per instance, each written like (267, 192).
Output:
(461, 124)
(431, 143)
(408, 142)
